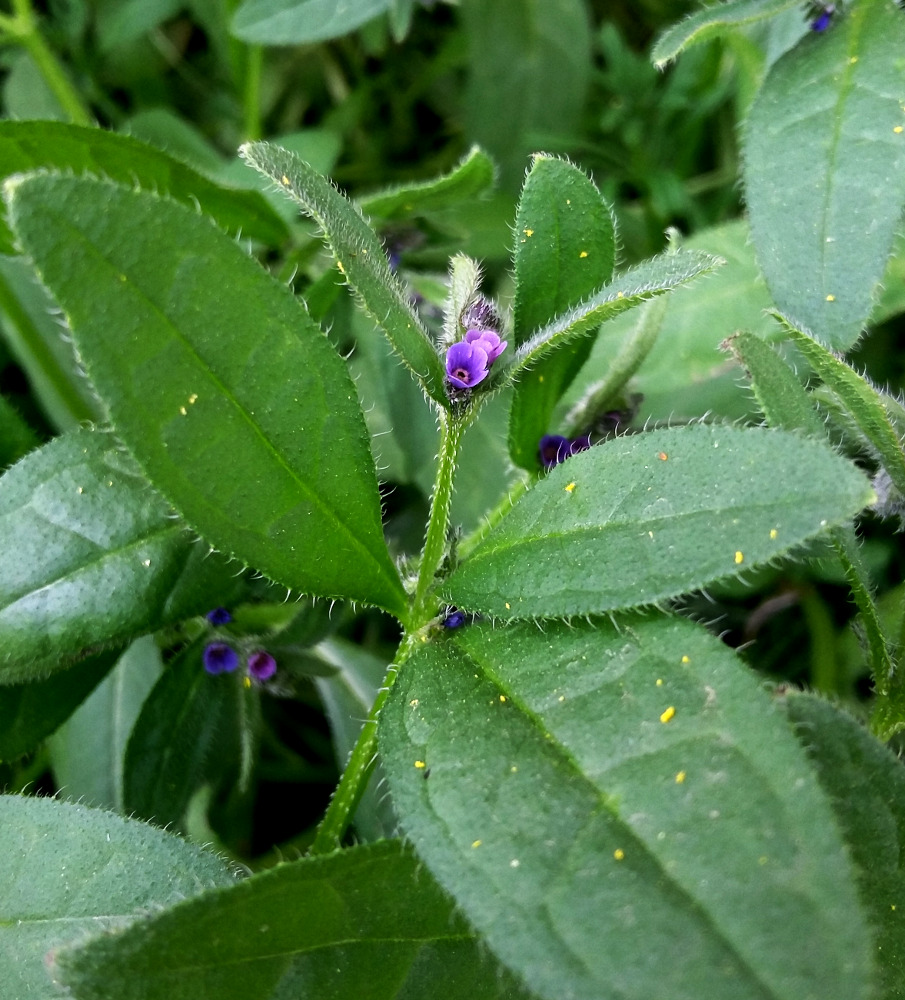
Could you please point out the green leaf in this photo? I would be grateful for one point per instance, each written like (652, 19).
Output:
(26, 146)
(295, 22)
(783, 400)
(638, 519)
(365, 922)
(636, 285)
(92, 556)
(231, 398)
(530, 66)
(685, 375)
(619, 810)
(866, 785)
(825, 170)
(712, 22)
(69, 871)
(565, 250)
(88, 751)
(860, 398)
(359, 256)
(787, 405)
(469, 178)
(187, 735)
(30, 712)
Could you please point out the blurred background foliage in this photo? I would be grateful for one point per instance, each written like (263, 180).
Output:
(403, 99)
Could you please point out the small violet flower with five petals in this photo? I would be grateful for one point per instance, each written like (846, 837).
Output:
(467, 364)
(489, 341)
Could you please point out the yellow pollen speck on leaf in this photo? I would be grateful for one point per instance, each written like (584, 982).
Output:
(668, 714)
(528, 232)
(540, 378)
(562, 697)
(659, 682)
(583, 253)
(508, 606)
(570, 487)
(193, 397)
(620, 295)
(892, 906)
(686, 659)
(419, 764)
(680, 777)
(476, 843)
(284, 180)
(503, 698)
(414, 703)
(898, 129)
(339, 264)
(513, 769)
(183, 410)
(739, 558)
(831, 298)
(853, 60)
(247, 681)
(773, 532)
(662, 456)
(619, 854)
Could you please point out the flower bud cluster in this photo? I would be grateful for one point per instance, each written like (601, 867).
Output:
(221, 658)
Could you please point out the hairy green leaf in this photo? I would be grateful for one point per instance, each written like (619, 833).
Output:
(70, 871)
(295, 22)
(711, 22)
(470, 177)
(188, 734)
(360, 257)
(638, 284)
(866, 784)
(365, 922)
(231, 398)
(825, 169)
(620, 808)
(638, 519)
(565, 250)
(89, 750)
(92, 556)
(46, 145)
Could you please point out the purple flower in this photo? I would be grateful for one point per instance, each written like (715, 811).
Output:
(454, 619)
(466, 364)
(262, 666)
(219, 616)
(822, 21)
(490, 341)
(219, 658)
(580, 444)
(553, 449)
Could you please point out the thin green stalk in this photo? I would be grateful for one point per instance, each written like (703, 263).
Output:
(23, 28)
(493, 518)
(361, 762)
(452, 428)
(254, 64)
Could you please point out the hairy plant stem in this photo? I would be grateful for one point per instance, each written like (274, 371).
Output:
(364, 755)
(22, 28)
(452, 427)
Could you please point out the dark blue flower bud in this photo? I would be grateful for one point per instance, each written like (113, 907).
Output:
(219, 658)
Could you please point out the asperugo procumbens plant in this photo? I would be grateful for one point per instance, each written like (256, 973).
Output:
(595, 798)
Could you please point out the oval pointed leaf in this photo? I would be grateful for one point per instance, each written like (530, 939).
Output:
(295, 22)
(70, 871)
(565, 250)
(46, 145)
(620, 811)
(364, 922)
(646, 517)
(232, 399)
(92, 556)
(359, 256)
(866, 784)
(825, 170)
(471, 176)
(711, 22)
